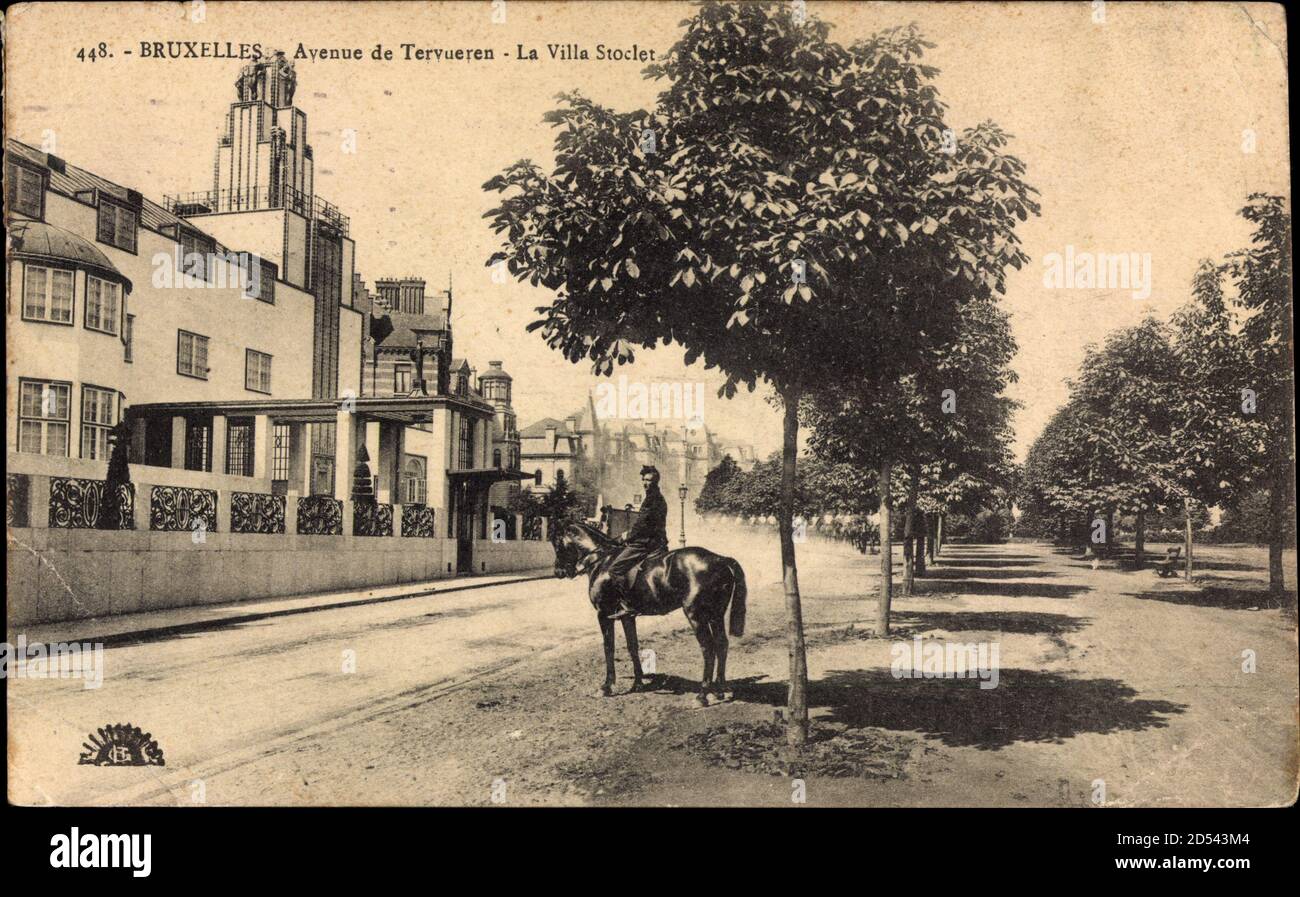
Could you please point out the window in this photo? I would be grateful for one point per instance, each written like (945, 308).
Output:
(466, 455)
(43, 417)
(537, 477)
(496, 457)
(239, 447)
(195, 249)
(257, 371)
(402, 380)
(281, 436)
(117, 225)
(192, 354)
(259, 277)
(128, 334)
(48, 294)
(24, 189)
(98, 415)
(414, 485)
(198, 444)
(101, 305)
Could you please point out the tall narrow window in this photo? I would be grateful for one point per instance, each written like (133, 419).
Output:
(195, 252)
(128, 336)
(24, 189)
(117, 225)
(101, 305)
(47, 294)
(198, 444)
(281, 434)
(465, 459)
(402, 379)
(257, 371)
(414, 483)
(43, 417)
(98, 415)
(192, 355)
(239, 447)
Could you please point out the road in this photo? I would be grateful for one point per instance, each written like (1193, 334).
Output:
(1106, 675)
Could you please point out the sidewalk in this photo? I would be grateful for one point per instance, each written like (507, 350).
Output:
(150, 625)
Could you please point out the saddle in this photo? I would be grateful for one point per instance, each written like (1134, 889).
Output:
(628, 582)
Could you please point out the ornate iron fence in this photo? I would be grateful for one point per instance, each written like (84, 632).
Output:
(18, 489)
(320, 515)
(257, 512)
(370, 518)
(80, 504)
(417, 521)
(182, 509)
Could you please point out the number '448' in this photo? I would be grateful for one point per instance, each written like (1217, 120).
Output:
(99, 52)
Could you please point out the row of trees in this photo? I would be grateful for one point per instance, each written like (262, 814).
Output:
(796, 213)
(1182, 415)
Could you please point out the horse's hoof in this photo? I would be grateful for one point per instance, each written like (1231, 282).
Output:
(702, 700)
(724, 697)
(605, 691)
(638, 685)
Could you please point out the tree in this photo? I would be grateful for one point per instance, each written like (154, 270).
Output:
(713, 495)
(1262, 277)
(789, 208)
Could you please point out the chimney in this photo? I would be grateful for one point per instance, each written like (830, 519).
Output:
(550, 437)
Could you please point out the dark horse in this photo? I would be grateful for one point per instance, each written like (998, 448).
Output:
(701, 583)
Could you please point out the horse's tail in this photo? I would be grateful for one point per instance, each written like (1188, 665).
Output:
(738, 591)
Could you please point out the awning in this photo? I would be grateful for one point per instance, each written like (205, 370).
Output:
(487, 475)
(400, 409)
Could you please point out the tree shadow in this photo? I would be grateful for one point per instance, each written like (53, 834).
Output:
(907, 623)
(1224, 597)
(983, 562)
(1026, 706)
(991, 573)
(936, 586)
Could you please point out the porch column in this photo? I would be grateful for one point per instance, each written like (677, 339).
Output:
(218, 443)
(263, 449)
(345, 452)
(180, 429)
(139, 439)
(388, 462)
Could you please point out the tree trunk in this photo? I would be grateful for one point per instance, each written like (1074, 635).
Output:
(909, 535)
(1139, 538)
(886, 552)
(922, 542)
(1187, 538)
(938, 535)
(1277, 495)
(797, 696)
(931, 528)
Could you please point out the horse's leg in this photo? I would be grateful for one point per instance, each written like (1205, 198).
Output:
(718, 625)
(607, 633)
(705, 638)
(633, 648)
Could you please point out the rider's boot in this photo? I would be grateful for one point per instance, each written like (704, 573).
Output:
(624, 607)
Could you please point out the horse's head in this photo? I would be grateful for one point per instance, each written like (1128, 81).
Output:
(575, 545)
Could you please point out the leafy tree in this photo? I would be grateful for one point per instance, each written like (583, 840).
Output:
(785, 192)
(713, 495)
(1262, 277)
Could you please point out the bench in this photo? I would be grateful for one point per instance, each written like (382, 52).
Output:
(1166, 567)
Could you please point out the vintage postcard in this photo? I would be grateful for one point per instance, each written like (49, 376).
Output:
(585, 404)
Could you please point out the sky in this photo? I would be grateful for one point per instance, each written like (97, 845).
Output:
(1144, 133)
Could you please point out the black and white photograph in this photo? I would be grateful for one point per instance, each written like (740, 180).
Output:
(766, 405)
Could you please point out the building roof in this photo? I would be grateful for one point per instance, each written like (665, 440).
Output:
(41, 242)
(540, 427)
(494, 372)
(70, 180)
(409, 328)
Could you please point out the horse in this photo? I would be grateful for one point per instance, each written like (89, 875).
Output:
(701, 583)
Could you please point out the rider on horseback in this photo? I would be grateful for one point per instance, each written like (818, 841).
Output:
(648, 535)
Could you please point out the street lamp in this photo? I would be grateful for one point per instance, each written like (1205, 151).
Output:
(681, 492)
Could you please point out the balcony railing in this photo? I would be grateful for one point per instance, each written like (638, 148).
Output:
(252, 199)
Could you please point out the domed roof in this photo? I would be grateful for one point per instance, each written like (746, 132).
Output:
(40, 242)
(494, 372)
